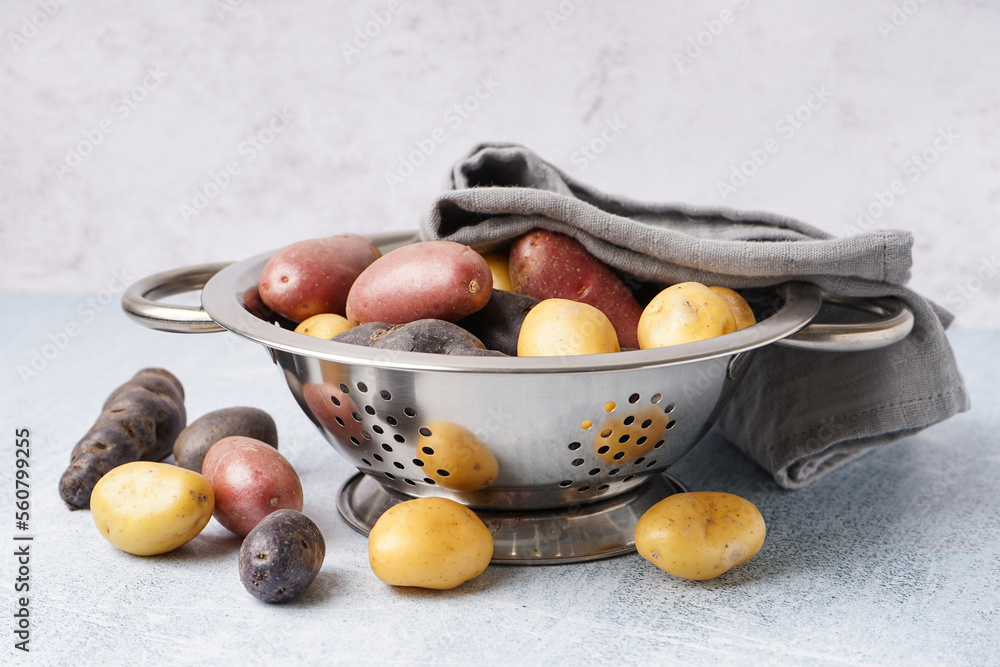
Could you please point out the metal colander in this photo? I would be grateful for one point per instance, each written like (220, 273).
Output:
(560, 456)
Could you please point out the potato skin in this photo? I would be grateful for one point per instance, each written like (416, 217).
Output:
(700, 535)
(440, 280)
(547, 265)
(429, 543)
(500, 268)
(560, 327)
(498, 323)
(148, 508)
(251, 480)
(198, 437)
(281, 556)
(430, 336)
(314, 276)
(683, 313)
(139, 421)
(742, 311)
(324, 325)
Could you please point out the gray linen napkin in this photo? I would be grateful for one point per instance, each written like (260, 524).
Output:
(798, 413)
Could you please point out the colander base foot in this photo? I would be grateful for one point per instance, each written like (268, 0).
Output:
(591, 531)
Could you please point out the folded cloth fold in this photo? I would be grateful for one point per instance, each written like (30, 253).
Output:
(797, 413)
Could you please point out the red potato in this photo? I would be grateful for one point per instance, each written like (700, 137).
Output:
(548, 265)
(440, 280)
(314, 276)
(251, 480)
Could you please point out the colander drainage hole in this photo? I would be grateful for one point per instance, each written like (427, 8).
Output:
(634, 398)
(378, 429)
(604, 449)
(426, 432)
(606, 433)
(409, 412)
(335, 401)
(443, 473)
(628, 478)
(584, 488)
(410, 482)
(344, 388)
(639, 460)
(670, 408)
(340, 421)
(362, 387)
(398, 464)
(640, 441)
(418, 463)
(355, 441)
(614, 471)
(369, 409)
(624, 438)
(378, 457)
(619, 456)
(398, 438)
(594, 471)
(673, 422)
(386, 446)
(366, 462)
(391, 421)
(658, 444)
(656, 398)
(389, 475)
(574, 446)
(386, 396)
(427, 450)
(603, 487)
(356, 416)
(651, 464)
(628, 420)
(566, 482)
(429, 480)
(646, 424)
(577, 462)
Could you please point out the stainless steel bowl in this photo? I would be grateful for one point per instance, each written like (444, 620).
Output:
(581, 443)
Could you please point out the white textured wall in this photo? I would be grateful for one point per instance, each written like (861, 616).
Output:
(200, 78)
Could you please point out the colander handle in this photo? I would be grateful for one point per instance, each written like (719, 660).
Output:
(140, 300)
(895, 324)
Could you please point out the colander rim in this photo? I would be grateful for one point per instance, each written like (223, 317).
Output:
(222, 299)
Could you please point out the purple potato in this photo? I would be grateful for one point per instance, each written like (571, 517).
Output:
(281, 556)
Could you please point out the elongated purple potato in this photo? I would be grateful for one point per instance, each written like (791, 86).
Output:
(440, 280)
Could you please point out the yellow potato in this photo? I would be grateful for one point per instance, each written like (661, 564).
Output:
(455, 458)
(429, 543)
(700, 535)
(741, 309)
(324, 325)
(683, 313)
(148, 508)
(559, 327)
(500, 269)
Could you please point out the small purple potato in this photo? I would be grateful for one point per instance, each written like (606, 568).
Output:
(281, 556)
(139, 421)
(498, 323)
(199, 436)
(440, 280)
(314, 276)
(432, 336)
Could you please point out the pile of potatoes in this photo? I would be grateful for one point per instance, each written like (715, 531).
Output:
(227, 466)
(546, 295)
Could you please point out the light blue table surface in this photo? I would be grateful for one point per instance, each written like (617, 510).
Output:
(894, 559)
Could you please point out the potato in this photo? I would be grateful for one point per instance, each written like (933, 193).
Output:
(498, 323)
(324, 325)
(251, 480)
(547, 265)
(455, 458)
(199, 436)
(700, 535)
(742, 311)
(429, 543)
(500, 269)
(148, 508)
(139, 421)
(431, 336)
(559, 327)
(314, 276)
(281, 556)
(683, 313)
(440, 280)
